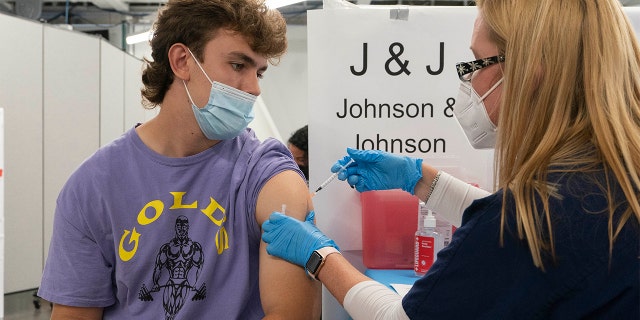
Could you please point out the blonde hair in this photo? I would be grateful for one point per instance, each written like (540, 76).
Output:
(570, 102)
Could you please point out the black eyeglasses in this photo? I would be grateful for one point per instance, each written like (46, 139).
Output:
(466, 69)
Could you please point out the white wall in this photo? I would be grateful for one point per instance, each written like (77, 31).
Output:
(2, 222)
(21, 97)
(284, 87)
(64, 95)
(71, 110)
(111, 119)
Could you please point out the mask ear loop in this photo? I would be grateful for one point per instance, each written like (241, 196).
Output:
(488, 93)
(491, 89)
(200, 66)
(201, 69)
(188, 94)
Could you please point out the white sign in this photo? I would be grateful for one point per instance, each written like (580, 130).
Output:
(384, 78)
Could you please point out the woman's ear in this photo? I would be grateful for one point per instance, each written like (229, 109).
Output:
(178, 58)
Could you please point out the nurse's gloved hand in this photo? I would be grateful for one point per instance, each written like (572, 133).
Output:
(379, 170)
(293, 240)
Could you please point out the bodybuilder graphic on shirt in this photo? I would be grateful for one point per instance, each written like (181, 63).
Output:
(183, 260)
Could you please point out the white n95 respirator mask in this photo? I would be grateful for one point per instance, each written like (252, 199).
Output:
(472, 116)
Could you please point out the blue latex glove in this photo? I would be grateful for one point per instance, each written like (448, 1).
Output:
(379, 170)
(293, 240)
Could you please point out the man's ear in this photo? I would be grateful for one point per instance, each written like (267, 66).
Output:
(178, 58)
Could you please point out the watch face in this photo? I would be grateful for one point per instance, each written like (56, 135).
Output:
(314, 262)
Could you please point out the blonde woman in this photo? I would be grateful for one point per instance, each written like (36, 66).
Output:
(554, 87)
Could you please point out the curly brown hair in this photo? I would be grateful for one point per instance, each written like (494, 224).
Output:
(195, 22)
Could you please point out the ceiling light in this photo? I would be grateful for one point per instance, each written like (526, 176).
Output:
(140, 37)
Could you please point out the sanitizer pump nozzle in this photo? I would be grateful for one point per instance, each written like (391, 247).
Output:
(430, 221)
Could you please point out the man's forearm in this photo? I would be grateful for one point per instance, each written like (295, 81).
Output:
(62, 312)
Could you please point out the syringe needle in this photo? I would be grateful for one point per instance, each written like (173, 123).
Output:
(333, 176)
(326, 182)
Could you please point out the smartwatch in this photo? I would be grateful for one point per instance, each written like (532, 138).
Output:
(317, 259)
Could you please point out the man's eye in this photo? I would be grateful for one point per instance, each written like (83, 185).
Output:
(236, 66)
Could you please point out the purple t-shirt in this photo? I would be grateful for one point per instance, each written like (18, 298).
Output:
(152, 237)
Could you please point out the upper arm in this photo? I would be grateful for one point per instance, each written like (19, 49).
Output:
(285, 289)
(62, 312)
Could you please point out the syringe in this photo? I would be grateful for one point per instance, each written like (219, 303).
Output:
(333, 176)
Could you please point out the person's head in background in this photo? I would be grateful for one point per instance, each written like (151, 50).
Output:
(299, 145)
(569, 100)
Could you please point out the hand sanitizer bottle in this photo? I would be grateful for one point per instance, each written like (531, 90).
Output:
(427, 242)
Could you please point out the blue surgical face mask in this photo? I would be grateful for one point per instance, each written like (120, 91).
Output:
(227, 113)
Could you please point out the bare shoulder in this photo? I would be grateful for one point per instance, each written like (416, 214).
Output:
(285, 188)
